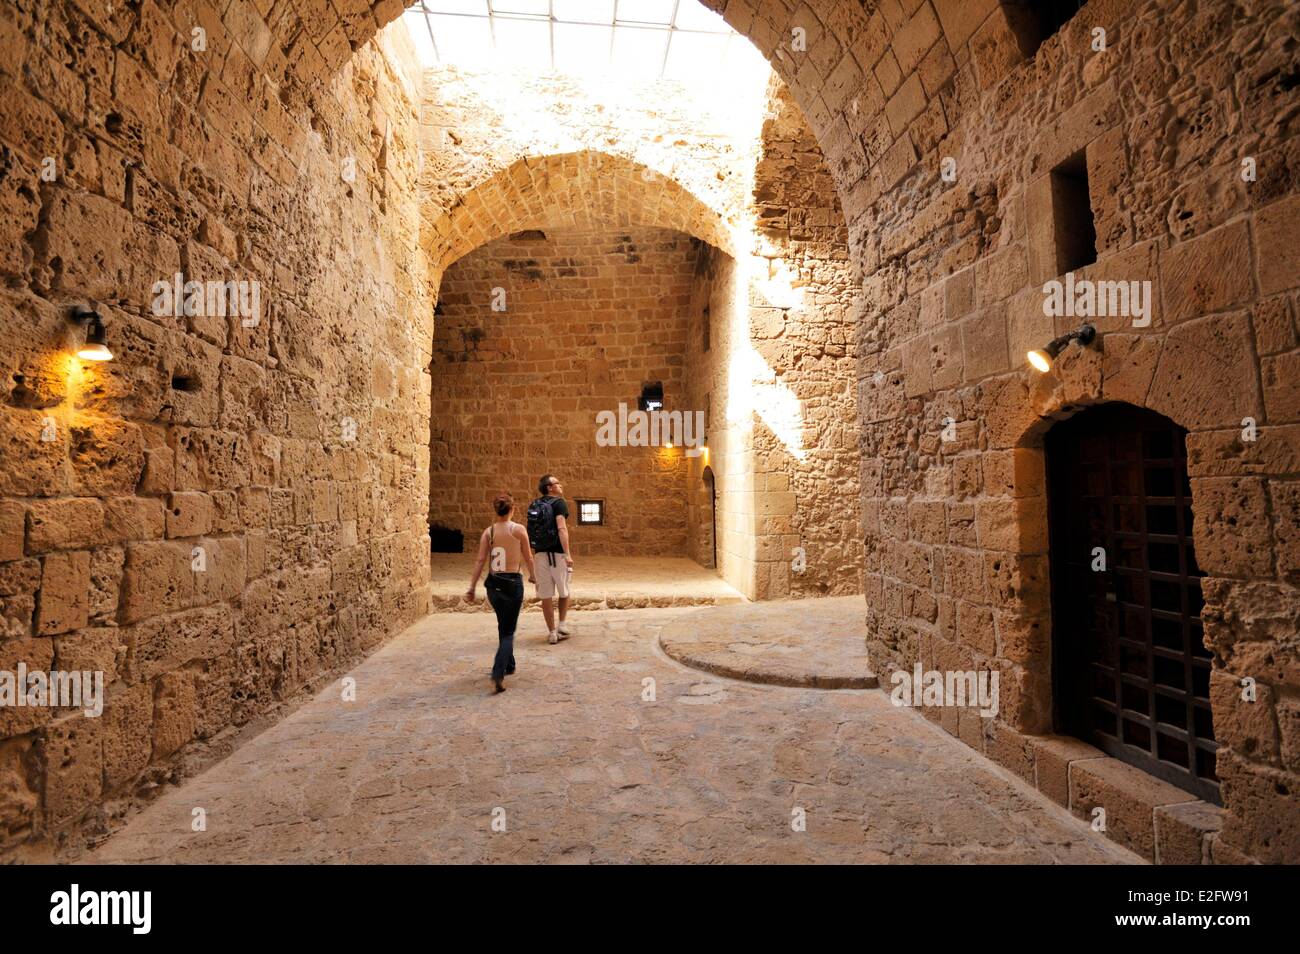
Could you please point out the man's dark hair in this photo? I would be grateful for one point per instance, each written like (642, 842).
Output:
(544, 484)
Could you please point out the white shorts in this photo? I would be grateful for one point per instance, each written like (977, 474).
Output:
(552, 580)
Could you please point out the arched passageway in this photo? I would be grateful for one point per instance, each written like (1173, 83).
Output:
(571, 191)
(276, 144)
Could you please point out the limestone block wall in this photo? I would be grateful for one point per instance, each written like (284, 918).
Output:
(1161, 120)
(726, 525)
(956, 529)
(778, 378)
(803, 244)
(538, 333)
(235, 505)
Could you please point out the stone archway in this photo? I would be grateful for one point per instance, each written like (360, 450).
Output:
(1130, 665)
(572, 190)
(275, 143)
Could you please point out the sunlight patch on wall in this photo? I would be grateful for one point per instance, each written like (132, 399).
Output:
(752, 385)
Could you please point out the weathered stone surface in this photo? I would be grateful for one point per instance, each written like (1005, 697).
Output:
(64, 603)
(793, 643)
(13, 530)
(69, 523)
(1276, 241)
(228, 167)
(876, 782)
(1224, 508)
(1182, 832)
(20, 790)
(1207, 375)
(1262, 822)
(175, 713)
(1053, 756)
(1129, 798)
(73, 752)
(1207, 274)
(126, 735)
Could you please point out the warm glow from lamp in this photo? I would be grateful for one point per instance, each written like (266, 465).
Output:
(95, 347)
(95, 352)
(1039, 360)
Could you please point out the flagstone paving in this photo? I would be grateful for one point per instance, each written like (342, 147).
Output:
(602, 750)
(817, 643)
(600, 582)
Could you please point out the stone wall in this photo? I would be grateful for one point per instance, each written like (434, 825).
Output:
(1161, 119)
(778, 378)
(234, 507)
(723, 527)
(952, 258)
(810, 349)
(538, 333)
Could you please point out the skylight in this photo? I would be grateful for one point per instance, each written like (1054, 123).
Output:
(627, 39)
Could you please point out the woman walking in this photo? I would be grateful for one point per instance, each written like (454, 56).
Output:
(505, 544)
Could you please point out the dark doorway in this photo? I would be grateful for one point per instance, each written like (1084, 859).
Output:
(712, 522)
(445, 539)
(1130, 667)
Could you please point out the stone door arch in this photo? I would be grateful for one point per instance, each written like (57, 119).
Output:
(1131, 671)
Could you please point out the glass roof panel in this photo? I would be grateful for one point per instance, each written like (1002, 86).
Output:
(582, 50)
(695, 56)
(478, 8)
(692, 15)
(651, 39)
(646, 11)
(584, 11)
(639, 54)
(464, 41)
(537, 8)
(522, 44)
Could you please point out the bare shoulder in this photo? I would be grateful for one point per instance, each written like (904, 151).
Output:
(519, 530)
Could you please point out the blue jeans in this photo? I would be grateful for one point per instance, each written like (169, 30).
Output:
(507, 600)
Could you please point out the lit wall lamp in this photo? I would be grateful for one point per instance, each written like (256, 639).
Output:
(652, 397)
(95, 347)
(1041, 359)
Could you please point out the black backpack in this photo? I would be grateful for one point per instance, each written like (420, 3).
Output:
(543, 535)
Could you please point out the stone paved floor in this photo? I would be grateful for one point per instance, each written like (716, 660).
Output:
(818, 643)
(582, 769)
(599, 583)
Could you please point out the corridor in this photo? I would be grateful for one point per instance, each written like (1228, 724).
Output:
(578, 767)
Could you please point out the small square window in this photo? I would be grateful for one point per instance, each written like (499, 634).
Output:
(591, 512)
(1033, 22)
(652, 396)
(1075, 228)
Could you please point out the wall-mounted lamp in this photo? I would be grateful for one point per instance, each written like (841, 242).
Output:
(1041, 359)
(95, 347)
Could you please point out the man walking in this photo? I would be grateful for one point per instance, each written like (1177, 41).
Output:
(548, 534)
